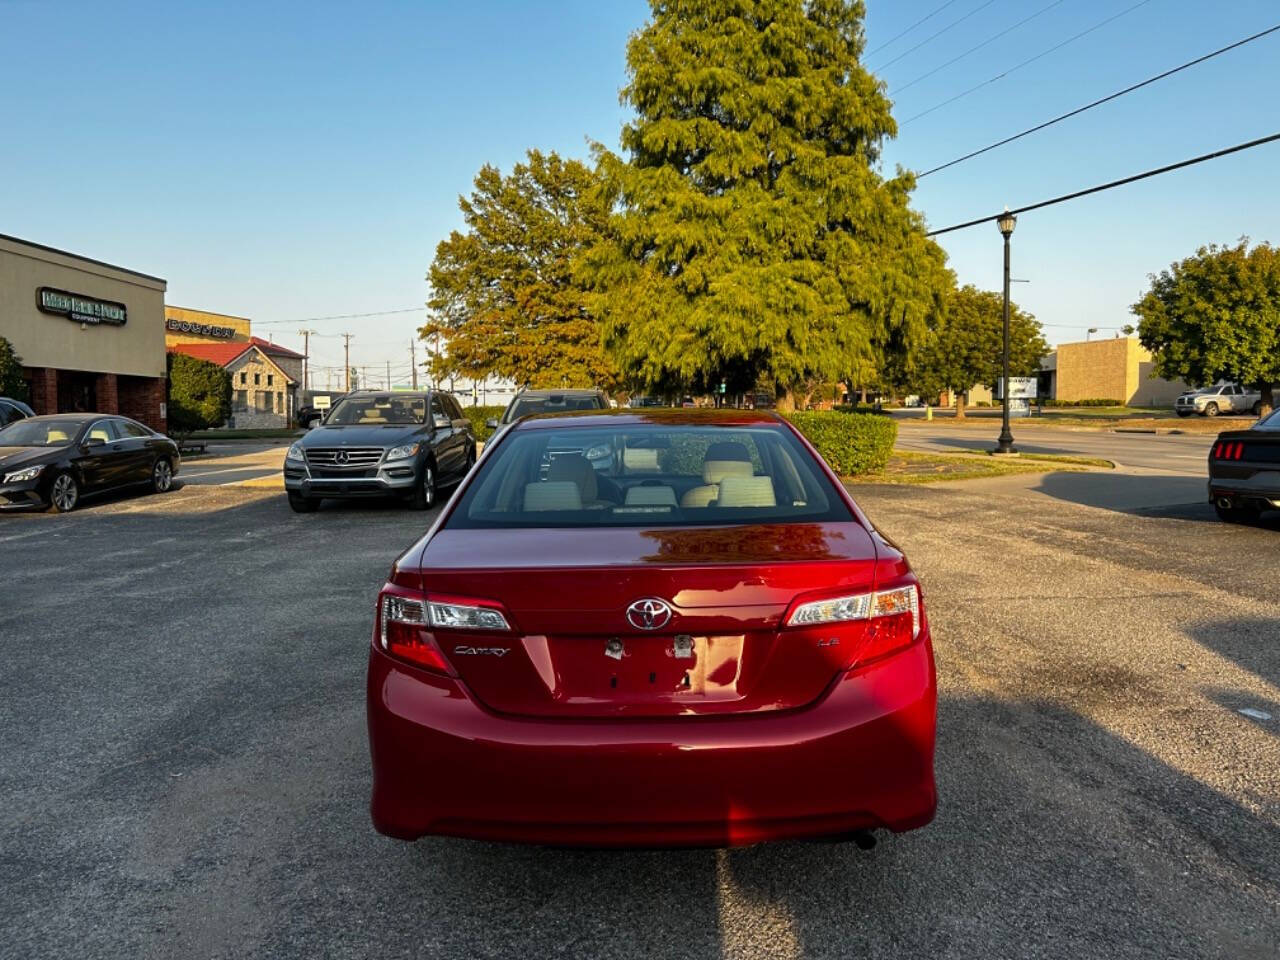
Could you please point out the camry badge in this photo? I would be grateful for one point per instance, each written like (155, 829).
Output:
(649, 614)
(482, 651)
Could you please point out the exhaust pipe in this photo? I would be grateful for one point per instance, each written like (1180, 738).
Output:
(1223, 503)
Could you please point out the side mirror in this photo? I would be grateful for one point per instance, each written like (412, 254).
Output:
(314, 423)
(441, 423)
(492, 423)
(95, 442)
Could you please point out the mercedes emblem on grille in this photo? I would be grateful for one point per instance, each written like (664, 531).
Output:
(649, 614)
(341, 456)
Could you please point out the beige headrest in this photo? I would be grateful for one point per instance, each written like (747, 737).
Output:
(55, 436)
(552, 495)
(714, 471)
(746, 492)
(575, 468)
(651, 496)
(640, 459)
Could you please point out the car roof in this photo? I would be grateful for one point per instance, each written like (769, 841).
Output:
(77, 417)
(410, 394)
(664, 416)
(567, 392)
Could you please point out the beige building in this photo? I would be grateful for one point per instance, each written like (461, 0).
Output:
(184, 325)
(1119, 369)
(90, 334)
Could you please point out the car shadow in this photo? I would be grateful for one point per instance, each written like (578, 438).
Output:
(1253, 643)
(1165, 497)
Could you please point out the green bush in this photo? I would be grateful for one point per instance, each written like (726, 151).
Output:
(478, 416)
(851, 443)
(11, 382)
(199, 395)
(1095, 402)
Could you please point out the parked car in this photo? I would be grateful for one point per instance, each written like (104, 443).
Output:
(381, 444)
(1244, 471)
(710, 646)
(11, 411)
(638, 402)
(55, 461)
(309, 415)
(1229, 398)
(528, 402)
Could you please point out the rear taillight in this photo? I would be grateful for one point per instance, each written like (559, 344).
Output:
(402, 632)
(1228, 450)
(863, 626)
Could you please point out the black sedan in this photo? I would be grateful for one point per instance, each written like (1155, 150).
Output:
(56, 460)
(1244, 471)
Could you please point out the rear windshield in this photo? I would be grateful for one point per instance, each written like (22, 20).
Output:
(648, 475)
(1272, 422)
(556, 403)
(373, 411)
(39, 433)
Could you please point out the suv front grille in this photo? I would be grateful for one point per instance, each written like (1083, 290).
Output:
(344, 456)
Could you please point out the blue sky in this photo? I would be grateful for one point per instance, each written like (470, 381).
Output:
(286, 161)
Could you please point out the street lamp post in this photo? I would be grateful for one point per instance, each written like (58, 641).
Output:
(1006, 222)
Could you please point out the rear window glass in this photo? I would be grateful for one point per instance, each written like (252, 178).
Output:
(1271, 422)
(648, 475)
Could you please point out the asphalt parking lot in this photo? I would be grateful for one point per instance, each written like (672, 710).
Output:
(185, 769)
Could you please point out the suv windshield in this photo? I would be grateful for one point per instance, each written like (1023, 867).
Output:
(656, 475)
(375, 410)
(39, 433)
(555, 403)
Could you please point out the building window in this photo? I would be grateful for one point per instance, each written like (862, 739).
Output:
(242, 400)
(279, 400)
(244, 377)
(257, 379)
(271, 379)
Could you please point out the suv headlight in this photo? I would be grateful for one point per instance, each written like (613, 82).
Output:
(19, 476)
(295, 454)
(403, 452)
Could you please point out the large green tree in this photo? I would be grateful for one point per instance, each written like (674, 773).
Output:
(752, 232)
(199, 395)
(11, 382)
(503, 293)
(966, 346)
(1216, 316)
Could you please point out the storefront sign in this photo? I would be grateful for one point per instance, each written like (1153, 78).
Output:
(1020, 388)
(201, 329)
(80, 308)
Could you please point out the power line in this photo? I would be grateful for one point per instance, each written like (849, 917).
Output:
(987, 42)
(342, 316)
(1027, 62)
(1098, 103)
(1113, 184)
(896, 37)
(934, 36)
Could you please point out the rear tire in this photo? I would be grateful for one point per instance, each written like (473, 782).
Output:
(424, 494)
(162, 476)
(1210, 409)
(302, 504)
(64, 493)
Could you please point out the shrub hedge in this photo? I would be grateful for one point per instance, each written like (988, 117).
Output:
(478, 415)
(851, 443)
(1094, 402)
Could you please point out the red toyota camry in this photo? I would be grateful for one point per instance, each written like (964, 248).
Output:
(658, 628)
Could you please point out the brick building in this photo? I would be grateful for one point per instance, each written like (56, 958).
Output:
(1116, 369)
(90, 334)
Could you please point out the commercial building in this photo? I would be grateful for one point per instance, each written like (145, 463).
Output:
(1118, 369)
(90, 334)
(265, 377)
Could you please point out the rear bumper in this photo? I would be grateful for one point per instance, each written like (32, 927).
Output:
(860, 758)
(1262, 489)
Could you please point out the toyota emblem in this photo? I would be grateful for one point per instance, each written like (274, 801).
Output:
(649, 614)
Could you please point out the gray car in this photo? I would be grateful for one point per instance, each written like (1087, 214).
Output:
(381, 444)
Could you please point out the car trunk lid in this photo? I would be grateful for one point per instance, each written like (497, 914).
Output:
(627, 622)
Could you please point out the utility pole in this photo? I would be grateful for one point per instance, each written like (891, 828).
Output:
(388, 374)
(413, 361)
(346, 358)
(306, 355)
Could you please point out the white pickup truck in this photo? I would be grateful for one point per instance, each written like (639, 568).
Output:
(1224, 398)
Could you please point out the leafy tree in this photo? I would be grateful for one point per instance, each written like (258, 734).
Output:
(504, 295)
(967, 346)
(199, 395)
(11, 382)
(752, 232)
(1216, 316)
